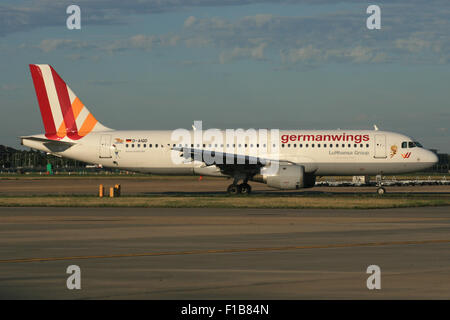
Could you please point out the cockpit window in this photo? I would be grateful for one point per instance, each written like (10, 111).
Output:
(411, 144)
(404, 144)
(418, 144)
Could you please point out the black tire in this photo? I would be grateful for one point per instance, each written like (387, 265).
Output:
(381, 191)
(233, 189)
(245, 188)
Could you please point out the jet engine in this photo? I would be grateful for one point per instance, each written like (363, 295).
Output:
(284, 177)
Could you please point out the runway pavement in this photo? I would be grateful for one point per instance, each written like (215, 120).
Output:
(138, 253)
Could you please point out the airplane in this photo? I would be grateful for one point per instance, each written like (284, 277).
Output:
(289, 159)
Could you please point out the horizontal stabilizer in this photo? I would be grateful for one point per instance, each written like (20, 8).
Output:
(52, 145)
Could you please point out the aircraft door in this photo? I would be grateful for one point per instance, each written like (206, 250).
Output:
(380, 146)
(105, 146)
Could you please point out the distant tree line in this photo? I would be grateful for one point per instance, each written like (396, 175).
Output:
(33, 160)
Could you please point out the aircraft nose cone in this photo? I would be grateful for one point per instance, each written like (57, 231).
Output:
(433, 157)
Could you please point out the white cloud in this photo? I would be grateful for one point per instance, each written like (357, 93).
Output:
(311, 40)
(190, 21)
(48, 45)
(239, 53)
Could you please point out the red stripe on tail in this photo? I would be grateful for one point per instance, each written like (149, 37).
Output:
(44, 104)
(66, 107)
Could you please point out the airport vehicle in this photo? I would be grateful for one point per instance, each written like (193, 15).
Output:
(283, 159)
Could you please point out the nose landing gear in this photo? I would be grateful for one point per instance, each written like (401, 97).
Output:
(380, 190)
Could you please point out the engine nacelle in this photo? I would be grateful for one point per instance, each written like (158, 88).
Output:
(286, 177)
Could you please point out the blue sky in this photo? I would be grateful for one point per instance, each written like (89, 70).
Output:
(306, 64)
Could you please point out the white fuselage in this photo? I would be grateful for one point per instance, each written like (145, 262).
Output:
(321, 152)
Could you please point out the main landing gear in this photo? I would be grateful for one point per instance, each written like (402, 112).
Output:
(243, 188)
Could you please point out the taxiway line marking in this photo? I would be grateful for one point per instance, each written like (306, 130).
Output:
(174, 253)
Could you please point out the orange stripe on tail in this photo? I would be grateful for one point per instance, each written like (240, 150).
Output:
(61, 133)
(77, 106)
(88, 125)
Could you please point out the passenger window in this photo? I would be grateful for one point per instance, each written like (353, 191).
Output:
(295, 145)
(343, 145)
(367, 145)
(282, 145)
(355, 145)
(324, 145)
(312, 145)
(156, 145)
(289, 145)
(145, 145)
(306, 145)
(361, 145)
(318, 145)
(301, 145)
(132, 145)
(126, 146)
(150, 145)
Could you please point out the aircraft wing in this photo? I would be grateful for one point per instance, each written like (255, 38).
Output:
(228, 163)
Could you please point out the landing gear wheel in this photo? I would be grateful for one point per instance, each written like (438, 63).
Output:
(381, 191)
(233, 189)
(245, 188)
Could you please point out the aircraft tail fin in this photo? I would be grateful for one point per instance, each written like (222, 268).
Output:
(63, 113)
